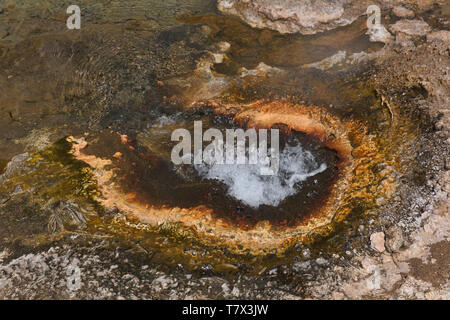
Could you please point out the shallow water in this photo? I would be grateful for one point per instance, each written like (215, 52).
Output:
(251, 46)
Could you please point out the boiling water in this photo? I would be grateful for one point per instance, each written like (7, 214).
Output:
(245, 182)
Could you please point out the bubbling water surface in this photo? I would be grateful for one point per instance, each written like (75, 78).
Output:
(245, 182)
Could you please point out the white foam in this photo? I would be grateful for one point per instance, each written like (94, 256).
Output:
(247, 185)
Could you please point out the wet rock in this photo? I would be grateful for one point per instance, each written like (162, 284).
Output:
(261, 69)
(202, 84)
(266, 69)
(291, 16)
(411, 27)
(329, 62)
(377, 241)
(403, 12)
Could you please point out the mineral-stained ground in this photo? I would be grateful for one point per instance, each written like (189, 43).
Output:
(91, 208)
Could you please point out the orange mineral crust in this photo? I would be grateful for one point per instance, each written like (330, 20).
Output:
(355, 149)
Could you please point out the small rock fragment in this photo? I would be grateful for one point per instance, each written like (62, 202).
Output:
(217, 57)
(124, 138)
(377, 241)
(223, 46)
(117, 155)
